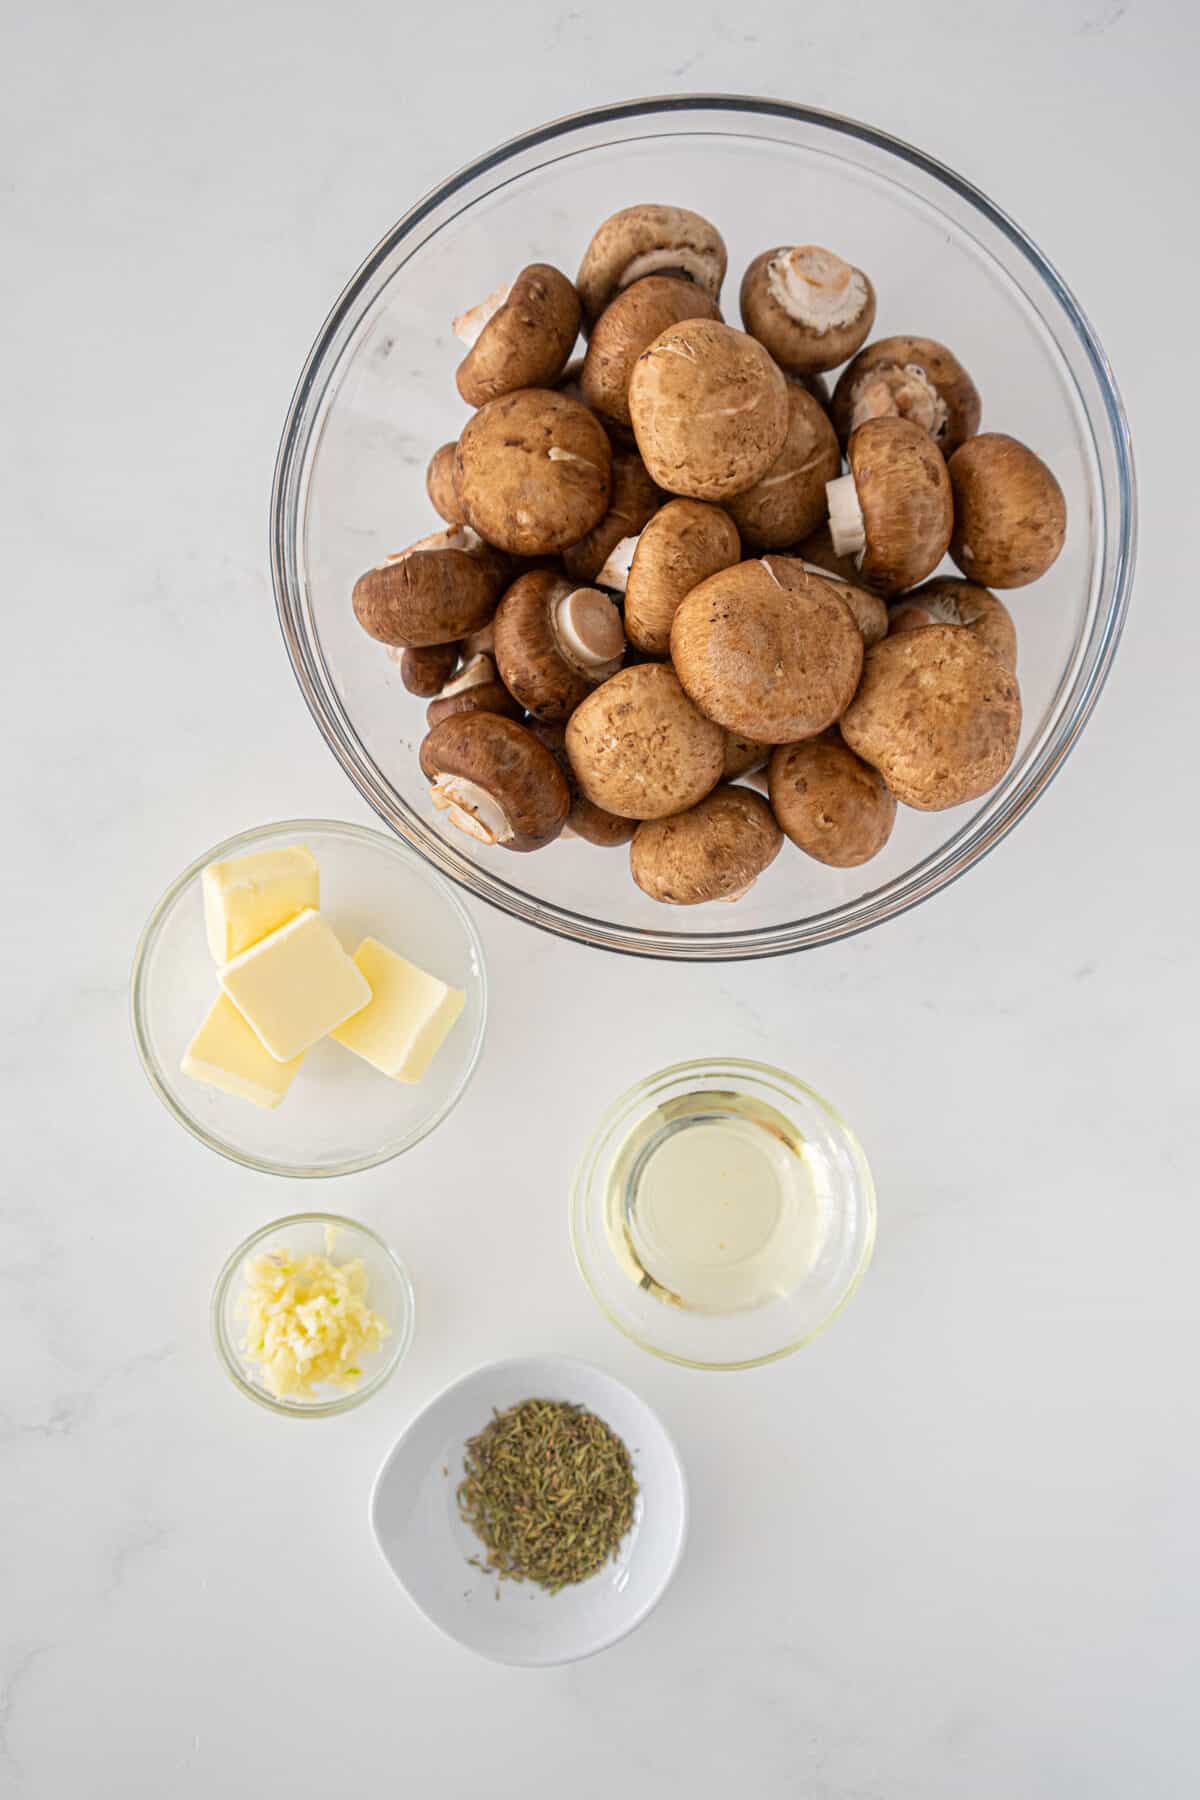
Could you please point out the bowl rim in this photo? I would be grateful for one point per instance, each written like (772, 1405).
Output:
(231, 1362)
(139, 983)
(919, 882)
(588, 1161)
(513, 1363)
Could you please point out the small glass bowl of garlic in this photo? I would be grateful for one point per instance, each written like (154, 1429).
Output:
(312, 1314)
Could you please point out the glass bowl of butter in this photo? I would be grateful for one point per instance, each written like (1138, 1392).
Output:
(309, 998)
(312, 1314)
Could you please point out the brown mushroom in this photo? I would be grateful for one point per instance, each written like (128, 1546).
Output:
(937, 715)
(634, 499)
(627, 326)
(494, 781)
(768, 650)
(716, 850)
(817, 550)
(591, 823)
(432, 593)
(555, 642)
(441, 486)
(639, 747)
(709, 408)
(522, 342)
(426, 671)
(685, 542)
(894, 510)
(534, 471)
(964, 603)
(830, 803)
(649, 240)
(908, 378)
(743, 756)
(1010, 517)
(788, 502)
(476, 688)
(808, 306)
(870, 612)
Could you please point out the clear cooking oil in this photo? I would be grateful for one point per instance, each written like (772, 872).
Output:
(716, 1204)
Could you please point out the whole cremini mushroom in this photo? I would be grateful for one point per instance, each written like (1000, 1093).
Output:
(426, 671)
(649, 240)
(627, 326)
(476, 688)
(442, 487)
(810, 307)
(634, 500)
(788, 502)
(709, 409)
(908, 378)
(432, 593)
(534, 471)
(520, 336)
(684, 543)
(555, 642)
(768, 650)
(893, 512)
(494, 781)
(639, 747)
(948, 601)
(829, 802)
(716, 850)
(591, 823)
(1010, 517)
(937, 714)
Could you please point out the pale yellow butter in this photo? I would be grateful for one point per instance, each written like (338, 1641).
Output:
(226, 1054)
(248, 897)
(409, 1016)
(295, 986)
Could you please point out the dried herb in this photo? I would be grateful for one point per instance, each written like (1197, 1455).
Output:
(549, 1491)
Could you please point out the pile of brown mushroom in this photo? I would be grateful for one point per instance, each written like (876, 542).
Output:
(681, 561)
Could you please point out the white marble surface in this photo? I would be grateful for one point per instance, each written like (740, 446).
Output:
(951, 1549)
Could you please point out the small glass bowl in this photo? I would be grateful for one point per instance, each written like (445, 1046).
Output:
(773, 1329)
(389, 1293)
(340, 1114)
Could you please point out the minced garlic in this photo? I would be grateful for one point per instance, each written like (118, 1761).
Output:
(307, 1321)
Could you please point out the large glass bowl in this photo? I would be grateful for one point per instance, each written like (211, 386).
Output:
(377, 396)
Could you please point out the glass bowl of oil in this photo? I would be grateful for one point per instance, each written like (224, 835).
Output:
(722, 1214)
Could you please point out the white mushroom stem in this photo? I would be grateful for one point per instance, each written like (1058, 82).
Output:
(589, 628)
(905, 393)
(468, 327)
(481, 642)
(476, 673)
(454, 537)
(816, 288)
(847, 527)
(672, 259)
(617, 564)
(472, 809)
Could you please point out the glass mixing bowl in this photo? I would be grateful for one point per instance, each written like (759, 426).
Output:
(377, 396)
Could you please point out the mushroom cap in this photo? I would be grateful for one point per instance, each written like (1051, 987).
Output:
(526, 343)
(634, 499)
(429, 596)
(817, 549)
(639, 748)
(684, 543)
(476, 688)
(948, 601)
(743, 756)
(628, 325)
(788, 502)
(1010, 517)
(768, 650)
(808, 306)
(426, 671)
(709, 408)
(591, 823)
(506, 762)
(904, 492)
(647, 240)
(441, 486)
(830, 803)
(713, 851)
(908, 377)
(536, 660)
(534, 471)
(937, 715)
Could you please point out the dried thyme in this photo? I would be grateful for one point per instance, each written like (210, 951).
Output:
(549, 1491)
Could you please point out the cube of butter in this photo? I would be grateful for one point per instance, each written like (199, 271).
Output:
(226, 1054)
(409, 1016)
(250, 896)
(295, 986)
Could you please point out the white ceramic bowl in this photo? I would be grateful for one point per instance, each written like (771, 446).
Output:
(415, 1518)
